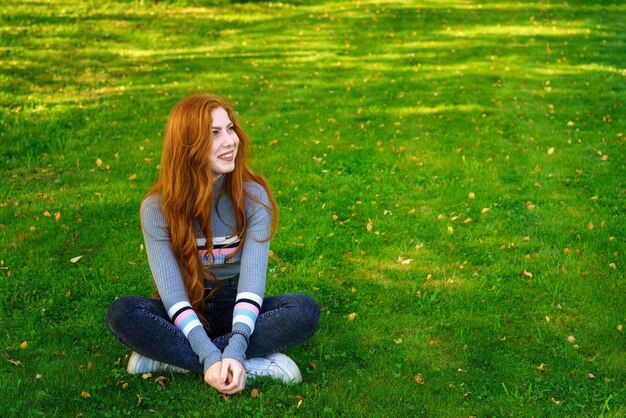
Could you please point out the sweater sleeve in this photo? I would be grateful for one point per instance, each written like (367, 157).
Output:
(169, 282)
(252, 274)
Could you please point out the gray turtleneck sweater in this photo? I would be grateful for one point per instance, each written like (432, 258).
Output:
(250, 264)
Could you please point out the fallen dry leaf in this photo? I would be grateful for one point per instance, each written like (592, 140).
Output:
(541, 367)
(254, 393)
(397, 340)
(74, 260)
(591, 376)
(554, 401)
(613, 266)
(138, 400)
(300, 399)
(133, 177)
(24, 345)
(15, 362)
(37, 376)
(571, 339)
(370, 225)
(351, 316)
(160, 380)
(551, 151)
(85, 394)
(620, 327)
(526, 273)
(419, 378)
(471, 195)
(146, 376)
(57, 216)
(484, 210)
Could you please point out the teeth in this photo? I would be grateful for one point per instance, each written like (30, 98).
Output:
(228, 155)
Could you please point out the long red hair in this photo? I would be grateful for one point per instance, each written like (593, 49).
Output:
(185, 185)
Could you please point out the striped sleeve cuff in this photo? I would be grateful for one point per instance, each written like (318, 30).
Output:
(246, 311)
(184, 317)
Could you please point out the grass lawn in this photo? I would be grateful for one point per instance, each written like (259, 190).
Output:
(451, 177)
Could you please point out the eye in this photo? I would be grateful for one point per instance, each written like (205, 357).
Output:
(215, 132)
(231, 128)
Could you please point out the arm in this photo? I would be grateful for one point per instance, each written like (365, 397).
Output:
(252, 275)
(169, 282)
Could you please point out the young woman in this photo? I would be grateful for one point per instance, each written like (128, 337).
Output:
(207, 222)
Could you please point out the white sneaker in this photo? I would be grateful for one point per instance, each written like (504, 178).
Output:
(277, 366)
(138, 364)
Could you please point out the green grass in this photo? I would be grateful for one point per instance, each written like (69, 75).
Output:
(387, 113)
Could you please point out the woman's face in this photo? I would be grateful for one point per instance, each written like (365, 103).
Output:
(225, 143)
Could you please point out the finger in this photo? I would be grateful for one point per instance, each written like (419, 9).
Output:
(232, 383)
(236, 388)
(224, 373)
(236, 372)
(242, 382)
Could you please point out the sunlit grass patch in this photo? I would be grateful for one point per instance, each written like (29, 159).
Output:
(449, 176)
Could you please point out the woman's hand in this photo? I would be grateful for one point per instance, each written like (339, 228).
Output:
(228, 376)
(233, 375)
(212, 375)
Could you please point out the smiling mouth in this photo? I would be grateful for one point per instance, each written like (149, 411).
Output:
(227, 156)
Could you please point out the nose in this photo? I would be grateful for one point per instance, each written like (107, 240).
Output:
(229, 138)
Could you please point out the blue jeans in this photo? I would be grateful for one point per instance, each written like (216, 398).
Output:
(143, 325)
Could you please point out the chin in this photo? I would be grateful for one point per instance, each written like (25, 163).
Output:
(226, 170)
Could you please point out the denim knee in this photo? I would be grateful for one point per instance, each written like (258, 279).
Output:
(117, 315)
(310, 313)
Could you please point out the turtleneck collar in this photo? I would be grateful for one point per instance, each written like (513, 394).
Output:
(219, 182)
